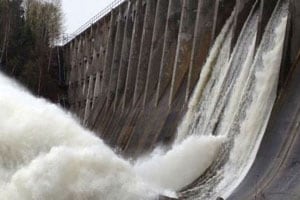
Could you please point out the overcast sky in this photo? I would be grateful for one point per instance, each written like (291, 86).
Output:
(77, 12)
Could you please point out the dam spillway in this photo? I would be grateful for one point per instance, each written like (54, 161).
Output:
(131, 76)
(156, 54)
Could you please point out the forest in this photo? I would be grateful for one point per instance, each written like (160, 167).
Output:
(29, 33)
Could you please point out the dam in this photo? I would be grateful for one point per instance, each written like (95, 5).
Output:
(133, 77)
(168, 99)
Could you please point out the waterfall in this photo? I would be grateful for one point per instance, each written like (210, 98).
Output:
(46, 154)
(234, 98)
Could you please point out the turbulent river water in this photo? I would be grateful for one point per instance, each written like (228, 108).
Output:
(45, 153)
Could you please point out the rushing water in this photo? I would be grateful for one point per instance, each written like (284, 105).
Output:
(234, 98)
(46, 154)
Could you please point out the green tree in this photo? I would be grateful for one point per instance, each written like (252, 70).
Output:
(29, 30)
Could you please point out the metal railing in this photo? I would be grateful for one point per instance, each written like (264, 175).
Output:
(65, 38)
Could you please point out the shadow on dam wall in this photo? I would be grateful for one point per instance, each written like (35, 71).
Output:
(132, 73)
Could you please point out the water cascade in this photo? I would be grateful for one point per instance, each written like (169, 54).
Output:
(46, 154)
(234, 99)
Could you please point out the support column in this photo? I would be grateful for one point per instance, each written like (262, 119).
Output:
(116, 56)
(291, 51)
(243, 9)
(223, 11)
(134, 52)
(266, 10)
(202, 41)
(156, 49)
(145, 50)
(109, 54)
(184, 46)
(101, 40)
(169, 49)
(125, 54)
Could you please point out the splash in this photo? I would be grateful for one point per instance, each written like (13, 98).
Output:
(46, 154)
(235, 100)
(195, 153)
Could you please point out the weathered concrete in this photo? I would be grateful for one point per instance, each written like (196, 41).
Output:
(100, 43)
(184, 45)
(223, 11)
(132, 73)
(134, 53)
(202, 41)
(169, 49)
(156, 49)
(266, 10)
(274, 174)
(145, 49)
(109, 52)
(152, 49)
(243, 9)
(291, 51)
(124, 55)
(113, 77)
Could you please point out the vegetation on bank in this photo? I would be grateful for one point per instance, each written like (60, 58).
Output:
(29, 30)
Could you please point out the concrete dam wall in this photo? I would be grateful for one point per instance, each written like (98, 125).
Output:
(132, 73)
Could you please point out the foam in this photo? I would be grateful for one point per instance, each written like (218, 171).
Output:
(46, 154)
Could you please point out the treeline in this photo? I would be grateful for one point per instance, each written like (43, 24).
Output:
(29, 30)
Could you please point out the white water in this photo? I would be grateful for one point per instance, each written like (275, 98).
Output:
(234, 98)
(168, 170)
(45, 154)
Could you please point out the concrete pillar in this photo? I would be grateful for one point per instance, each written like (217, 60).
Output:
(86, 72)
(169, 49)
(243, 9)
(134, 52)
(71, 60)
(71, 88)
(266, 10)
(291, 52)
(102, 39)
(156, 49)
(109, 53)
(89, 97)
(145, 50)
(125, 54)
(295, 30)
(81, 77)
(223, 11)
(184, 45)
(69, 54)
(97, 37)
(202, 42)
(116, 55)
(86, 52)
(97, 88)
(99, 98)
(74, 73)
(86, 64)
(86, 82)
(101, 32)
